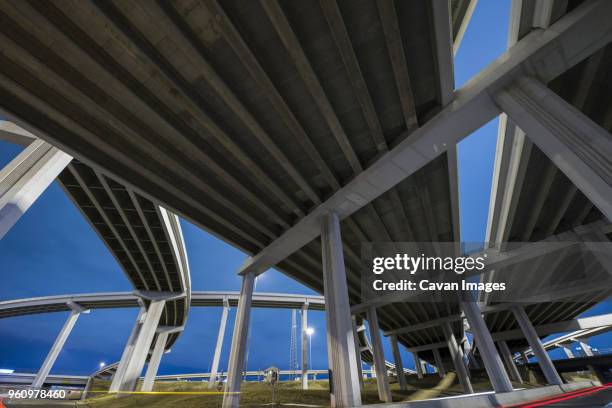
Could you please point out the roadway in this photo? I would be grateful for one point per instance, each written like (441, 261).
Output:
(50, 304)
(594, 397)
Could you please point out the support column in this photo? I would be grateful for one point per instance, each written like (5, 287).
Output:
(382, 382)
(568, 351)
(217, 356)
(468, 351)
(128, 351)
(486, 347)
(579, 147)
(25, 178)
(585, 347)
(399, 366)
(417, 364)
(142, 346)
(344, 384)
(457, 357)
(154, 361)
(524, 357)
(60, 340)
(439, 363)
(358, 353)
(305, 368)
(599, 373)
(510, 364)
(239, 342)
(552, 377)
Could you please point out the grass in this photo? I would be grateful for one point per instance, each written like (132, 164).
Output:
(257, 394)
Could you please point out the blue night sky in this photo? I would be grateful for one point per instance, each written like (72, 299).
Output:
(52, 250)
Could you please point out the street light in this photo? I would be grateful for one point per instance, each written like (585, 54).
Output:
(309, 332)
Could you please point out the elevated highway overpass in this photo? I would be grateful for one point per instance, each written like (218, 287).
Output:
(51, 304)
(344, 135)
(535, 195)
(144, 238)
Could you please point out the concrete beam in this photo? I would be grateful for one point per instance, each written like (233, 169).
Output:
(579, 147)
(536, 345)
(543, 53)
(427, 347)
(10, 132)
(439, 363)
(464, 25)
(542, 330)
(542, 14)
(559, 327)
(231, 398)
(382, 382)
(510, 364)
(217, 356)
(25, 178)
(344, 384)
(417, 364)
(424, 325)
(443, 50)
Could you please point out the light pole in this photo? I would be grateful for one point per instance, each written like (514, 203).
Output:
(310, 332)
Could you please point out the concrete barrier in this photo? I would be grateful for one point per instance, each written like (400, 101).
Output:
(490, 399)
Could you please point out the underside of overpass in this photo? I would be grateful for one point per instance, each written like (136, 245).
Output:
(540, 200)
(144, 238)
(202, 96)
(257, 120)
